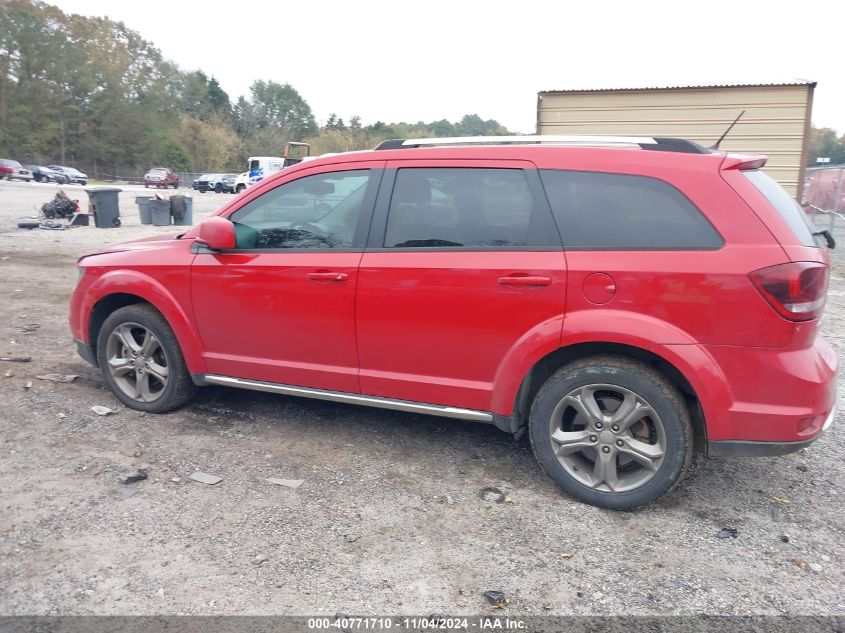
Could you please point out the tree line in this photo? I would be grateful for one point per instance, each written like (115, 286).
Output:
(91, 92)
(826, 143)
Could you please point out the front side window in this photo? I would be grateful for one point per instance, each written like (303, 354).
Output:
(465, 207)
(319, 211)
(621, 212)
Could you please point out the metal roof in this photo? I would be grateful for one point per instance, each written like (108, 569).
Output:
(749, 85)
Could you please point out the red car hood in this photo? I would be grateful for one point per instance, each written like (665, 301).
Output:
(142, 244)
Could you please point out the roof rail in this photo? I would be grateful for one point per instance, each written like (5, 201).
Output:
(644, 142)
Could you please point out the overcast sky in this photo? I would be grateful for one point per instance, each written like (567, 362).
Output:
(428, 60)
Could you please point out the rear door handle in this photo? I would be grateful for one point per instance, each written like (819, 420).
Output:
(328, 276)
(525, 280)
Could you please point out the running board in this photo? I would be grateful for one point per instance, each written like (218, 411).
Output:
(346, 398)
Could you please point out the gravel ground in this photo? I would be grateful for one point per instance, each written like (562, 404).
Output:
(390, 517)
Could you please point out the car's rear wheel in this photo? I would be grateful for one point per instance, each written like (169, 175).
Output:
(142, 362)
(611, 432)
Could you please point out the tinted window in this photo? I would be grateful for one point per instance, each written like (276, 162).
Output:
(319, 211)
(616, 211)
(482, 208)
(785, 204)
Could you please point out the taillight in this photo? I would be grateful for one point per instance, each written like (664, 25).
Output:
(796, 290)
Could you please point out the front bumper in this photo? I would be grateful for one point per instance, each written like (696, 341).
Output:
(85, 351)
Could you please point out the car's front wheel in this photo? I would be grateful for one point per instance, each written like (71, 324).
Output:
(611, 432)
(141, 360)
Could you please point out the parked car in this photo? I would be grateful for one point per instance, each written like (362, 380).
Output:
(73, 175)
(161, 177)
(13, 170)
(45, 174)
(227, 183)
(210, 182)
(623, 307)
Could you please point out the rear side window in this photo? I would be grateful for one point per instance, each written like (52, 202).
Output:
(786, 206)
(466, 207)
(622, 212)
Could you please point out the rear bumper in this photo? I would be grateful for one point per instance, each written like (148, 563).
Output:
(744, 448)
(762, 401)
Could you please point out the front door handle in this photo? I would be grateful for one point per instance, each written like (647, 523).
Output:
(525, 280)
(328, 276)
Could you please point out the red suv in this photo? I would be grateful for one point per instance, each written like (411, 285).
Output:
(625, 300)
(161, 177)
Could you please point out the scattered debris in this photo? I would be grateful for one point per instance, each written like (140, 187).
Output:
(497, 599)
(351, 537)
(776, 515)
(492, 494)
(205, 478)
(728, 533)
(16, 359)
(135, 475)
(290, 483)
(784, 538)
(28, 385)
(175, 480)
(781, 501)
(802, 468)
(31, 327)
(8, 373)
(82, 424)
(261, 558)
(567, 555)
(58, 377)
(800, 564)
(101, 410)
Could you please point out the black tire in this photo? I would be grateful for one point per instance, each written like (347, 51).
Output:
(240, 188)
(644, 382)
(218, 188)
(175, 185)
(179, 389)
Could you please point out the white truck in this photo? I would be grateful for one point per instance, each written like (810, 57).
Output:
(259, 167)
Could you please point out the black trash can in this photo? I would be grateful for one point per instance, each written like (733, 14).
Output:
(181, 207)
(103, 202)
(144, 212)
(160, 212)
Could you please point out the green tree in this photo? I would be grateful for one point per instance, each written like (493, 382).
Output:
(824, 143)
(281, 107)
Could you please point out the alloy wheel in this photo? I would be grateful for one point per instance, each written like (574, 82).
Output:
(137, 362)
(607, 437)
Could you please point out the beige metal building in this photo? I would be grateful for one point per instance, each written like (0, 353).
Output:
(776, 120)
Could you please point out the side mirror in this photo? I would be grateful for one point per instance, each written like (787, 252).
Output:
(217, 233)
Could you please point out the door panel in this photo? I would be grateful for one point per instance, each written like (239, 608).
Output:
(435, 326)
(281, 307)
(454, 278)
(260, 316)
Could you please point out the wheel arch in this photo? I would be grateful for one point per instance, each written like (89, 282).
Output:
(548, 364)
(121, 288)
